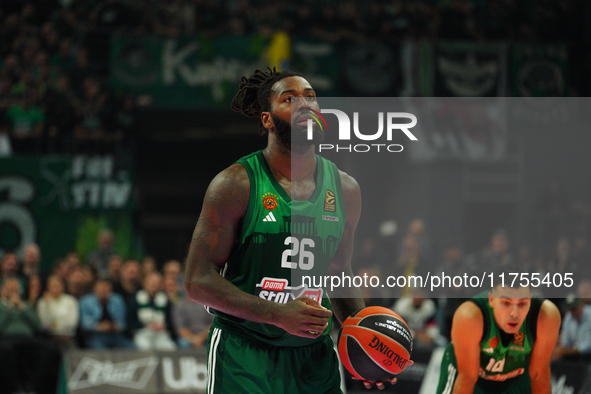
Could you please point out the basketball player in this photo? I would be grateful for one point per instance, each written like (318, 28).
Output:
(269, 218)
(501, 343)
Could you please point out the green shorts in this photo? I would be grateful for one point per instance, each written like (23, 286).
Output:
(449, 372)
(237, 364)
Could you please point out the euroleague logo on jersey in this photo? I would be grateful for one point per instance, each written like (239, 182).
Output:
(330, 201)
(269, 201)
(493, 342)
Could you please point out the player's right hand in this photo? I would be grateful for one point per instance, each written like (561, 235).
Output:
(303, 317)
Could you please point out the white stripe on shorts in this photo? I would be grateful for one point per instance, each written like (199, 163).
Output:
(215, 340)
(451, 377)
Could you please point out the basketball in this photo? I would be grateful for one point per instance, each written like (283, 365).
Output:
(374, 344)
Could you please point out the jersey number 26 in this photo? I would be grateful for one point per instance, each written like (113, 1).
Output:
(300, 252)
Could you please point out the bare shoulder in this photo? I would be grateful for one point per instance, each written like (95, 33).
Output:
(549, 317)
(350, 188)
(468, 311)
(351, 198)
(349, 184)
(467, 325)
(229, 190)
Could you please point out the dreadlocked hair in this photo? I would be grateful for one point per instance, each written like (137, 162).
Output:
(254, 92)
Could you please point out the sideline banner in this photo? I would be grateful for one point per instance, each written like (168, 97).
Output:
(126, 372)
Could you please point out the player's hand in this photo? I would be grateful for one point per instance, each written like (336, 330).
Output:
(379, 384)
(303, 317)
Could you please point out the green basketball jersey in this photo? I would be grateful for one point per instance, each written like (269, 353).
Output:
(504, 356)
(280, 242)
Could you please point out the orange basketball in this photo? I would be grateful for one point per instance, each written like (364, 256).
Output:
(375, 343)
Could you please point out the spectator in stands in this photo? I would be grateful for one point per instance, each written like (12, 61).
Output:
(31, 260)
(58, 313)
(17, 316)
(174, 18)
(62, 61)
(174, 269)
(575, 338)
(419, 313)
(99, 258)
(77, 284)
(149, 266)
(584, 291)
(453, 262)
(497, 254)
(25, 359)
(369, 254)
(66, 266)
(171, 287)
(72, 259)
(192, 322)
(415, 253)
(49, 37)
(34, 289)
(112, 15)
(27, 121)
(103, 318)
(81, 72)
(80, 281)
(409, 259)
(457, 20)
(154, 315)
(129, 280)
(127, 287)
(9, 267)
(93, 126)
(61, 106)
(114, 267)
(561, 260)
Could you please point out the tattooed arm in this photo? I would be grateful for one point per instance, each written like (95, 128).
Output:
(217, 229)
(345, 301)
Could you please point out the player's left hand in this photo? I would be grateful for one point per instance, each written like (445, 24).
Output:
(379, 384)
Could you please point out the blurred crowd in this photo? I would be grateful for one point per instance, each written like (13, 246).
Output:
(54, 95)
(101, 302)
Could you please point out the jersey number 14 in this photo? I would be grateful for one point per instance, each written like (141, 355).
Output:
(495, 366)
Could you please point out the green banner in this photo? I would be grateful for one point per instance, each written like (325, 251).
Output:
(193, 72)
(184, 72)
(469, 69)
(539, 70)
(62, 202)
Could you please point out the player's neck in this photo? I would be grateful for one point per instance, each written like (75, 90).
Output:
(291, 164)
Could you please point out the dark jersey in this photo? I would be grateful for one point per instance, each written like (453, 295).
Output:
(280, 242)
